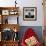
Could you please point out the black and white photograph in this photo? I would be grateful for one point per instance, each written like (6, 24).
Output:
(30, 13)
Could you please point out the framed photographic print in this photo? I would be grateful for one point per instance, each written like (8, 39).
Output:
(30, 13)
(13, 12)
(5, 12)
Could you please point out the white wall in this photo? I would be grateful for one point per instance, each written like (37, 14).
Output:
(26, 3)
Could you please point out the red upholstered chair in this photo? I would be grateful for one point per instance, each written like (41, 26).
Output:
(28, 34)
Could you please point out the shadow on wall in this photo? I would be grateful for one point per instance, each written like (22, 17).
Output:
(37, 29)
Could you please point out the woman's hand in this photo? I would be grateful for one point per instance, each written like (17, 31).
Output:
(32, 41)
